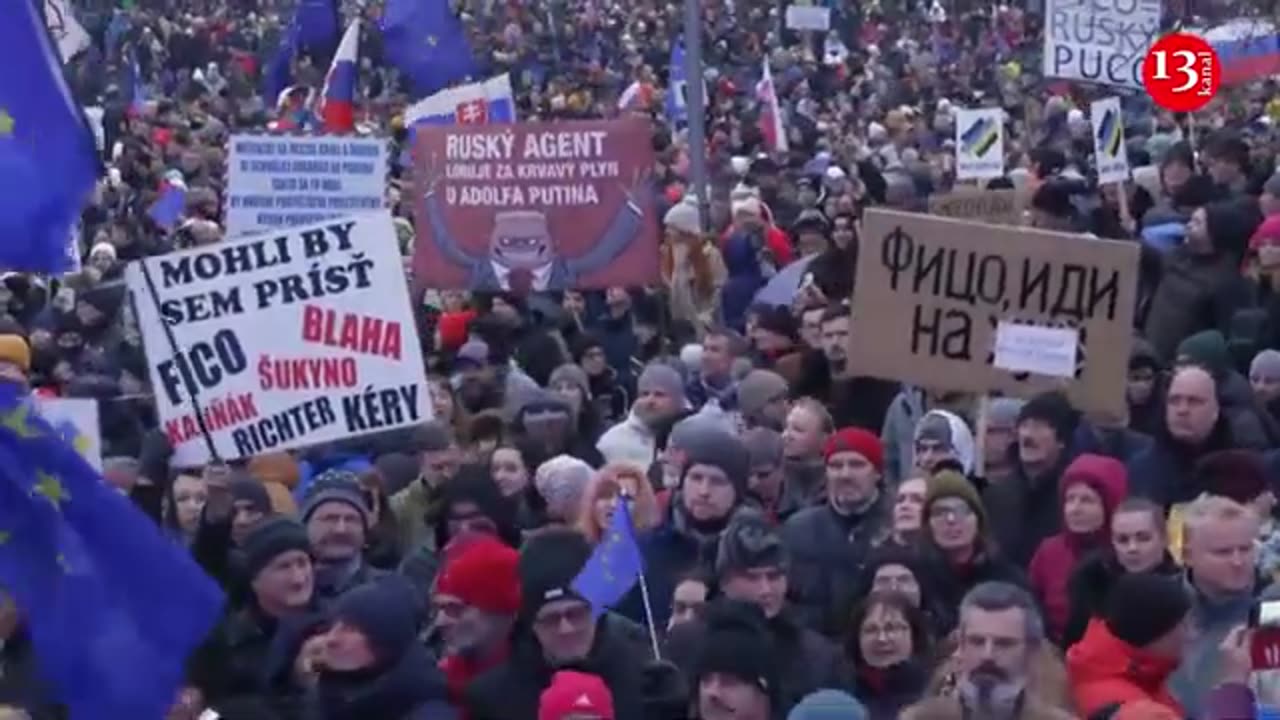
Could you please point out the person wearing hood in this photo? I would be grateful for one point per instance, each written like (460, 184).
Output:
(712, 488)
(372, 665)
(752, 566)
(957, 543)
(830, 542)
(1144, 388)
(1026, 508)
(659, 395)
(940, 436)
(1193, 427)
(1091, 488)
(888, 643)
(1136, 543)
(1250, 426)
(1201, 287)
(557, 629)
(1129, 653)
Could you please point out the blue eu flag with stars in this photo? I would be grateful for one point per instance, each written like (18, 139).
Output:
(113, 607)
(48, 161)
(614, 567)
(426, 42)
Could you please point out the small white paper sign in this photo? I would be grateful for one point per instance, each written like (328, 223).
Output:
(808, 17)
(1036, 349)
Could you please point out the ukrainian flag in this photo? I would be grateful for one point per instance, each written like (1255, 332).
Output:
(980, 137)
(1110, 133)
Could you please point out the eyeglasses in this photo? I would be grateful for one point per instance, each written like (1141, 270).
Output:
(960, 511)
(576, 616)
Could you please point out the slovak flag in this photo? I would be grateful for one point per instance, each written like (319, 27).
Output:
(338, 100)
(775, 136)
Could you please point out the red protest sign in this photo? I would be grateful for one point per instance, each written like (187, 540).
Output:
(535, 206)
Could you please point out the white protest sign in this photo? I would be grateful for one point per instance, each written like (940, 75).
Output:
(276, 182)
(285, 339)
(76, 420)
(66, 31)
(808, 17)
(1099, 41)
(94, 114)
(979, 143)
(1108, 140)
(1036, 349)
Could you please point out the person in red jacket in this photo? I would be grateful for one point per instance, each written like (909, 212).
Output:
(1091, 488)
(1129, 653)
(750, 212)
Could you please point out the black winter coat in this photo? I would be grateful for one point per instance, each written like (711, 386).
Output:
(1088, 586)
(412, 689)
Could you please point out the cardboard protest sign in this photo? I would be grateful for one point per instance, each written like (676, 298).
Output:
(535, 206)
(998, 207)
(945, 303)
(1099, 41)
(76, 420)
(281, 340)
(276, 181)
(979, 143)
(1110, 153)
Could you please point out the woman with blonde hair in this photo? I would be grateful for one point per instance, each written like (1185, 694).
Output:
(601, 497)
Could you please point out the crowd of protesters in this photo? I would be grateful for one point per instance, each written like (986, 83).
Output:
(815, 544)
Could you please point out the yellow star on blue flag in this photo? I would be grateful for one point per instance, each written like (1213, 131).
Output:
(614, 567)
(6, 123)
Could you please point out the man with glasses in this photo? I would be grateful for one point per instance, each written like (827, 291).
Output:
(751, 567)
(556, 629)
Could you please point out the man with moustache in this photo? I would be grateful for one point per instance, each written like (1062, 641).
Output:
(1000, 633)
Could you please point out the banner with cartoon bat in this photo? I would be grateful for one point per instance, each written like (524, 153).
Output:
(535, 206)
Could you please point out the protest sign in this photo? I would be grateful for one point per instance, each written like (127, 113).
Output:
(808, 17)
(281, 340)
(76, 420)
(979, 143)
(1108, 140)
(998, 207)
(276, 182)
(1099, 41)
(536, 206)
(932, 294)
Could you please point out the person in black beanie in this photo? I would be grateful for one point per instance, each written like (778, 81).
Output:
(1025, 509)
(1131, 651)
(737, 671)
(372, 665)
(557, 628)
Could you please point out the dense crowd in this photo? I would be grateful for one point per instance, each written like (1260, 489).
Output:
(814, 543)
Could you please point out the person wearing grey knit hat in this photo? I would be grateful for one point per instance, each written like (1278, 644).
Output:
(571, 383)
(1000, 428)
(716, 457)
(1264, 375)
(337, 520)
(659, 397)
(828, 705)
(764, 448)
(762, 399)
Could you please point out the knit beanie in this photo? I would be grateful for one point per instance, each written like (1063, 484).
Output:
(1054, 409)
(828, 705)
(549, 563)
(334, 486)
(722, 450)
(948, 484)
(571, 373)
(277, 467)
(1266, 364)
(934, 427)
(574, 694)
(484, 574)
(854, 439)
(1004, 410)
(385, 611)
(659, 377)
(749, 542)
(1143, 607)
(764, 446)
(738, 644)
(757, 389)
(252, 492)
(1208, 349)
(1238, 474)
(270, 539)
(14, 349)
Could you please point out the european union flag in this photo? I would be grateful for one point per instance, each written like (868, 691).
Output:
(168, 208)
(426, 42)
(113, 607)
(614, 567)
(278, 73)
(48, 161)
(677, 86)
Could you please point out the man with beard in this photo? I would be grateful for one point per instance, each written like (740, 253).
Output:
(337, 521)
(1000, 634)
(659, 395)
(477, 596)
(483, 382)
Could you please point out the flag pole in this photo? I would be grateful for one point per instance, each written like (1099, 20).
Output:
(648, 616)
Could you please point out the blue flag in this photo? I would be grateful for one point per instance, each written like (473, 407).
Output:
(677, 100)
(317, 24)
(426, 42)
(113, 607)
(168, 208)
(278, 74)
(48, 160)
(614, 567)
(134, 83)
